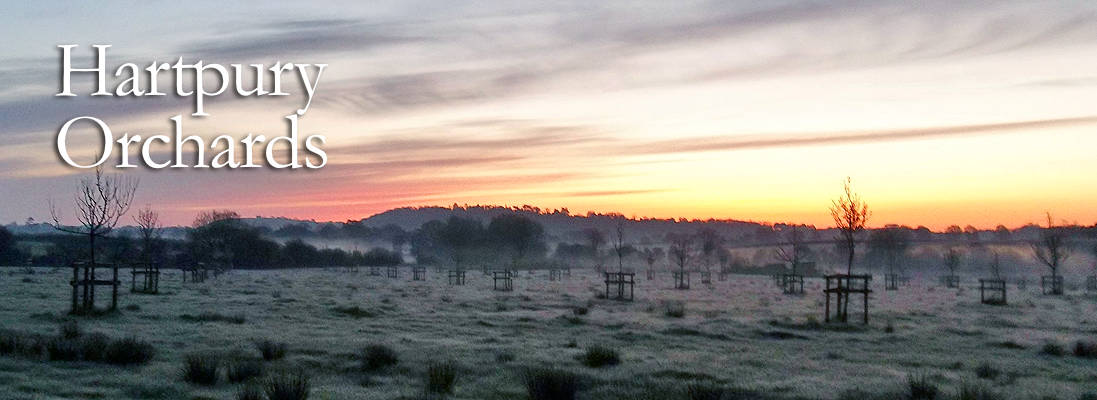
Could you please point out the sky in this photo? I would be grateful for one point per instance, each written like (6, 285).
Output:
(941, 112)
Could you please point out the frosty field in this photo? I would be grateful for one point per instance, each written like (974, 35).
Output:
(739, 333)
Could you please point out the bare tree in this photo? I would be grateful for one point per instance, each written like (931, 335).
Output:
(652, 255)
(794, 250)
(711, 243)
(953, 259)
(148, 222)
(1052, 249)
(681, 250)
(100, 201)
(996, 266)
(850, 214)
(619, 244)
(595, 238)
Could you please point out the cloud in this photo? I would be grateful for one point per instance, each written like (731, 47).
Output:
(726, 143)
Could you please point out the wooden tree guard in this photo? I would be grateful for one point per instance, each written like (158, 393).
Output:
(792, 283)
(198, 273)
(1091, 284)
(1021, 283)
(1051, 285)
(555, 274)
(776, 279)
(502, 280)
(392, 272)
(567, 271)
(842, 286)
(418, 273)
(891, 282)
(83, 288)
(951, 281)
(374, 270)
(992, 291)
(651, 274)
(150, 278)
(457, 277)
(706, 277)
(618, 281)
(681, 280)
(722, 276)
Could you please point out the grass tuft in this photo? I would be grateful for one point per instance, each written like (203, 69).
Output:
(598, 356)
(987, 371)
(441, 377)
(250, 392)
(201, 369)
(378, 356)
(288, 386)
(271, 350)
(976, 392)
(69, 329)
(214, 317)
(128, 351)
(355, 312)
(243, 370)
(551, 384)
(1053, 349)
(921, 388)
(1085, 349)
(674, 309)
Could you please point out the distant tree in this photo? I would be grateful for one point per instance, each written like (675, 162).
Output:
(101, 201)
(710, 242)
(1052, 249)
(298, 254)
(595, 238)
(652, 255)
(953, 259)
(9, 254)
(212, 236)
(794, 251)
(381, 258)
(148, 223)
(1002, 233)
(850, 214)
(681, 250)
(461, 239)
(892, 243)
(517, 235)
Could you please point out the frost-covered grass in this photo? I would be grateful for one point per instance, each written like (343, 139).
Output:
(738, 336)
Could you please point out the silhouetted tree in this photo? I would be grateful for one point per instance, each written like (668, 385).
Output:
(953, 259)
(996, 266)
(9, 254)
(212, 234)
(461, 239)
(892, 243)
(101, 201)
(652, 255)
(850, 214)
(595, 238)
(1052, 249)
(710, 242)
(148, 223)
(681, 249)
(794, 250)
(518, 235)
